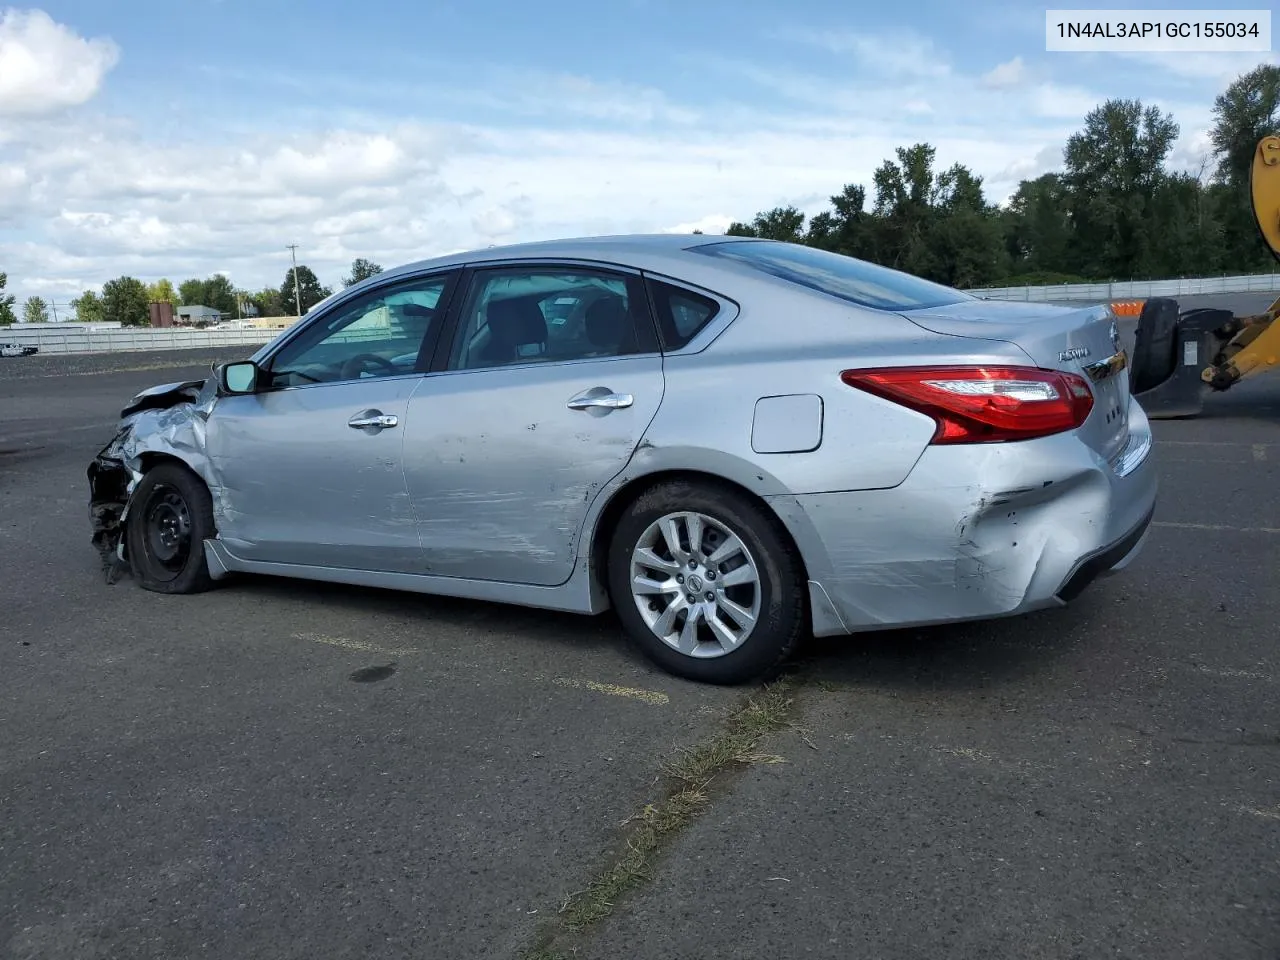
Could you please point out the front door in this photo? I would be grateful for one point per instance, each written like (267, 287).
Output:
(553, 377)
(311, 468)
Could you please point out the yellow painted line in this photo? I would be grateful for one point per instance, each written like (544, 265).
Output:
(360, 646)
(1216, 527)
(613, 690)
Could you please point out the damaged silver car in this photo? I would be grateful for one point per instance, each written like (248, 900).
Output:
(731, 442)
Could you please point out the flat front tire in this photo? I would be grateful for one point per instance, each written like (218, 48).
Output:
(706, 583)
(170, 517)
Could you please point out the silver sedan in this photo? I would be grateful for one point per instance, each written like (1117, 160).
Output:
(733, 443)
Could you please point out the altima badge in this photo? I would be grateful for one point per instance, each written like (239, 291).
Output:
(1075, 353)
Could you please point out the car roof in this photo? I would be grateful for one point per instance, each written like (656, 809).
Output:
(635, 249)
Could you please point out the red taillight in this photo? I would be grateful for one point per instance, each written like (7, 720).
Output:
(983, 404)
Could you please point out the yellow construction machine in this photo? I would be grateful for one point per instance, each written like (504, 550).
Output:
(1168, 374)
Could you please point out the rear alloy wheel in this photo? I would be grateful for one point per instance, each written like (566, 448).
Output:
(706, 584)
(170, 517)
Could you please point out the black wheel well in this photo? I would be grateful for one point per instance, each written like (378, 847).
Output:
(150, 460)
(629, 492)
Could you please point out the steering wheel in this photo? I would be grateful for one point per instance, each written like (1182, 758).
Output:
(353, 367)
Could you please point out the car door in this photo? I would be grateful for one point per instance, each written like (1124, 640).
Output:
(310, 467)
(553, 376)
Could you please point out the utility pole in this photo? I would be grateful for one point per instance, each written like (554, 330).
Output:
(297, 290)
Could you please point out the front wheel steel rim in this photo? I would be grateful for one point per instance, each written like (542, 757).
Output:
(166, 523)
(695, 584)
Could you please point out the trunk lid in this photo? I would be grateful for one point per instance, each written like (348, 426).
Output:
(1069, 339)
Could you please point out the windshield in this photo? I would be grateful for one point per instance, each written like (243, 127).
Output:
(857, 281)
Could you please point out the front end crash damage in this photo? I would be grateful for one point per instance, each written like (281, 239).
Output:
(166, 421)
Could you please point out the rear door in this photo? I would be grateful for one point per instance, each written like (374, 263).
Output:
(551, 380)
(1084, 341)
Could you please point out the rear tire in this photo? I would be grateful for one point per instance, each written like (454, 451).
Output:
(742, 583)
(170, 517)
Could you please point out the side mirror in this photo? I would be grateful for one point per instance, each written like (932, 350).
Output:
(242, 376)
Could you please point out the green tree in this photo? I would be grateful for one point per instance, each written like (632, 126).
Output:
(1113, 169)
(162, 292)
(847, 228)
(308, 286)
(191, 293)
(7, 317)
(780, 223)
(1247, 111)
(88, 308)
(220, 293)
(1037, 226)
(217, 292)
(35, 310)
(1186, 234)
(361, 269)
(269, 303)
(124, 301)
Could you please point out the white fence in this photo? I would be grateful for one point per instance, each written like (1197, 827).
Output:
(88, 340)
(1136, 289)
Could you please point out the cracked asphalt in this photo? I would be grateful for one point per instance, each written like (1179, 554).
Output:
(281, 769)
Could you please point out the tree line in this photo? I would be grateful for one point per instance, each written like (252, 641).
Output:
(126, 300)
(1114, 212)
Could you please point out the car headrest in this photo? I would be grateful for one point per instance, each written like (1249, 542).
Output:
(516, 322)
(608, 322)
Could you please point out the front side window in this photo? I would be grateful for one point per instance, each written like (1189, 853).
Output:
(538, 315)
(378, 335)
(857, 281)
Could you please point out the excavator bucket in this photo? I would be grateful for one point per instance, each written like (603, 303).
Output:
(1264, 187)
(1177, 354)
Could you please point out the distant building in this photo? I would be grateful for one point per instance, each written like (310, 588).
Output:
(198, 316)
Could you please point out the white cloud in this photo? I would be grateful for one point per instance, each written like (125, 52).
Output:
(1007, 74)
(1065, 102)
(85, 197)
(1221, 68)
(711, 223)
(902, 53)
(45, 66)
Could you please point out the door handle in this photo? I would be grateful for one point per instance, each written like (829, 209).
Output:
(373, 419)
(610, 401)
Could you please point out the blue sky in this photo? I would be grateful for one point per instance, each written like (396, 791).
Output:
(182, 138)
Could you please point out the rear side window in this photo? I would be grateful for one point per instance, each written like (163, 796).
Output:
(681, 313)
(857, 281)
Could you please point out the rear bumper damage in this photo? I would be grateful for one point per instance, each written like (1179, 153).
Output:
(973, 535)
(165, 421)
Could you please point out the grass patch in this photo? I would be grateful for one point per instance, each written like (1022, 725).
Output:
(691, 776)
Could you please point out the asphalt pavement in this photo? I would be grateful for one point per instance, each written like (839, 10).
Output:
(281, 769)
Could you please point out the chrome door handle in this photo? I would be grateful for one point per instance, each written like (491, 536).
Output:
(378, 421)
(611, 401)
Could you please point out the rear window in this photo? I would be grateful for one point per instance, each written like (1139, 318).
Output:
(856, 281)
